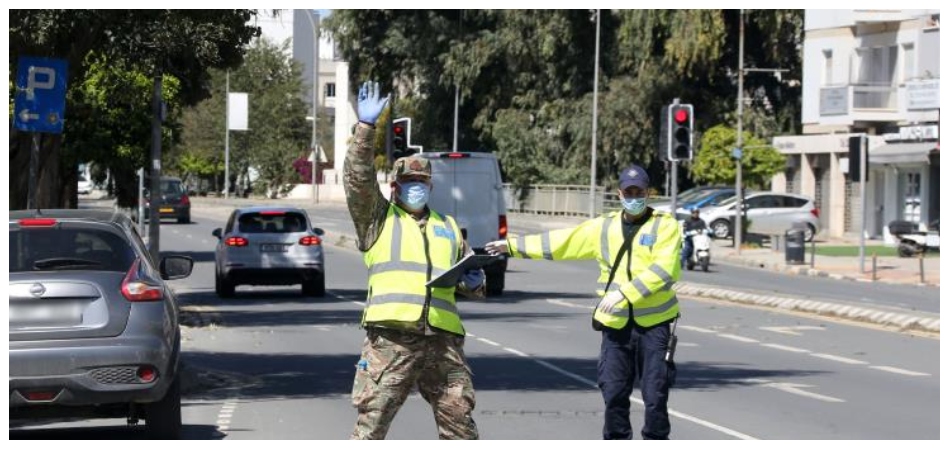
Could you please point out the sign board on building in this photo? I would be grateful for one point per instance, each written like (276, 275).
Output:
(834, 101)
(923, 94)
(40, 101)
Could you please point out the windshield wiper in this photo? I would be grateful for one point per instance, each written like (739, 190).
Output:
(62, 263)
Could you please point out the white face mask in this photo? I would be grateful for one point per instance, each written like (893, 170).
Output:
(414, 195)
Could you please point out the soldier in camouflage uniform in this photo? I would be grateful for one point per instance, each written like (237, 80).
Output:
(422, 349)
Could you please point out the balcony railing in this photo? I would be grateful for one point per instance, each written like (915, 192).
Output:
(874, 97)
(843, 100)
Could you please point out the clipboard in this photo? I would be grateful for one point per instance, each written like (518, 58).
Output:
(451, 277)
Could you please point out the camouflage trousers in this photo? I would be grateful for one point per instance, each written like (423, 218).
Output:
(392, 362)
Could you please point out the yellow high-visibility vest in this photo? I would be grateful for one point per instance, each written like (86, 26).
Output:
(654, 263)
(400, 263)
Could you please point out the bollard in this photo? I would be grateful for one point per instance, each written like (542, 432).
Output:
(921, 258)
(874, 266)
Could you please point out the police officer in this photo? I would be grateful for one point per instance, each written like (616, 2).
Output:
(414, 335)
(696, 224)
(638, 249)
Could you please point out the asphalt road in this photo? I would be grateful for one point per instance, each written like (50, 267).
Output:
(275, 365)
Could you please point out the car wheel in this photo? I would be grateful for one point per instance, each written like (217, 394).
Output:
(185, 219)
(494, 283)
(223, 287)
(906, 249)
(721, 229)
(163, 418)
(316, 287)
(809, 233)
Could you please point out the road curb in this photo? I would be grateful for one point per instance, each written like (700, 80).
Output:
(903, 320)
(808, 271)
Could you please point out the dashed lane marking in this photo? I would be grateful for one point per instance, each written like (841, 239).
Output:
(225, 414)
(900, 371)
(840, 359)
(738, 338)
(593, 384)
(786, 348)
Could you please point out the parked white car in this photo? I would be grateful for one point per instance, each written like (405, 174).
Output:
(84, 187)
(770, 213)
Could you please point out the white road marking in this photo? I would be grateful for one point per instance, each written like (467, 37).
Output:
(900, 371)
(795, 388)
(358, 303)
(738, 338)
(224, 415)
(840, 359)
(793, 330)
(593, 384)
(189, 236)
(567, 304)
(786, 348)
(697, 329)
(688, 344)
(489, 342)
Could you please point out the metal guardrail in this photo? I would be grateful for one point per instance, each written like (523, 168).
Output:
(562, 199)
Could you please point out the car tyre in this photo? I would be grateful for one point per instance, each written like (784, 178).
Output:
(721, 229)
(184, 219)
(163, 418)
(809, 233)
(315, 287)
(223, 287)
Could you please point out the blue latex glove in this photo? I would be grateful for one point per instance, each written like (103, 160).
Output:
(473, 279)
(368, 104)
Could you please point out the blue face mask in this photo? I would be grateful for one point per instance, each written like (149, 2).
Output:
(635, 205)
(414, 195)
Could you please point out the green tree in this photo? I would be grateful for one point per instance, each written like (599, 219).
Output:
(278, 130)
(536, 68)
(174, 44)
(714, 164)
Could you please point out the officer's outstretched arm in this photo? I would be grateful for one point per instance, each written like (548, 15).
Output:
(580, 242)
(665, 267)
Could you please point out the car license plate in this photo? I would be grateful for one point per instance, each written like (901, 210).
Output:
(39, 314)
(273, 248)
(166, 210)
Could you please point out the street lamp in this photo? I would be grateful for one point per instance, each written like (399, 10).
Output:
(315, 26)
(593, 139)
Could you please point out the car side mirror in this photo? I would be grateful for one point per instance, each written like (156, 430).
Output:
(216, 233)
(318, 231)
(176, 267)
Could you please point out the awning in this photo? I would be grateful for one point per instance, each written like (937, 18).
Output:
(902, 153)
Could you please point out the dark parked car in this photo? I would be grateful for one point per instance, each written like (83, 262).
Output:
(175, 202)
(93, 326)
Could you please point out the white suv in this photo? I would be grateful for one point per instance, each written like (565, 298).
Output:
(770, 213)
(468, 187)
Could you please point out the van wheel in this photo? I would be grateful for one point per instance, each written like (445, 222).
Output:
(222, 287)
(163, 418)
(494, 283)
(315, 287)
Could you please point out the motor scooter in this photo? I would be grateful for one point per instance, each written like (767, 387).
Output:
(913, 239)
(701, 247)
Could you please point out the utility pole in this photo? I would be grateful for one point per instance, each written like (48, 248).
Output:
(593, 139)
(315, 26)
(227, 133)
(740, 200)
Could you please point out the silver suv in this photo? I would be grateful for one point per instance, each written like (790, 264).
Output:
(93, 326)
(769, 213)
(269, 246)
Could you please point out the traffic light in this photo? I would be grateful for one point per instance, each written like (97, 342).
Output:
(680, 132)
(401, 131)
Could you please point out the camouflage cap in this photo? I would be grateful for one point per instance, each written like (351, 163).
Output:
(412, 165)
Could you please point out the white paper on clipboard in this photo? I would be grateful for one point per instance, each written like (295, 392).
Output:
(451, 277)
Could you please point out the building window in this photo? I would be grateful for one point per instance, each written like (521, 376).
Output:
(874, 81)
(329, 90)
(828, 77)
(909, 72)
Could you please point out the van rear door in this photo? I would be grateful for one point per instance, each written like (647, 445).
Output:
(466, 187)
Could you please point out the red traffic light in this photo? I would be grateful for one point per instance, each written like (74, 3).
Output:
(398, 129)
(681, 116)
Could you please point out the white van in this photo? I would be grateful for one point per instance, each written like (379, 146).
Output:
(468, 187)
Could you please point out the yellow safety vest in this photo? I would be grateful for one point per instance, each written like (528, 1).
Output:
(654, 263)
(400, 263)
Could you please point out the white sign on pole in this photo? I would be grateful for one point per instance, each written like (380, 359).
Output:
(237, 110)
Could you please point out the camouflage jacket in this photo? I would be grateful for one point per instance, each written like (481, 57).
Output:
(368, 208)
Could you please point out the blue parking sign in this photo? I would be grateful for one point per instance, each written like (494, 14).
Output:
(40, 101)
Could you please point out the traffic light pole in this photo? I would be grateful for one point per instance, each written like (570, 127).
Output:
(673, 188)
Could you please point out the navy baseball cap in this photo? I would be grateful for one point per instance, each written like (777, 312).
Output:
(634, 176)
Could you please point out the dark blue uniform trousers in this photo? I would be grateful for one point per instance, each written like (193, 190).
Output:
(635, 353)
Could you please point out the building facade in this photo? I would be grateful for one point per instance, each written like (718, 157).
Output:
(874, 73)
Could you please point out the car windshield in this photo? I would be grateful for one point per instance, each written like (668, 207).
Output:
(43, 249)
(272, 222)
